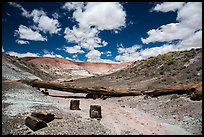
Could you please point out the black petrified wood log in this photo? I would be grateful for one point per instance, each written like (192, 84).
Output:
(35, 123)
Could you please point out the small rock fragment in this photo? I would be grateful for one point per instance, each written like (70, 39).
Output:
(47, 117)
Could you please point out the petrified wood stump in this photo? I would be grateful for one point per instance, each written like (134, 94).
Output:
(34, 123)
(74, 105)
(95, 111)
(47, 117)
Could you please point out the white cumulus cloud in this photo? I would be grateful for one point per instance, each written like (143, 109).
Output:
(108, 53)
(93, 55)
(85, 37)
(20, 55)
(168, 6)
(92, 18)
(52, 55)
(2, 49)
(194, 41)
(28, 54)
(128, 57)
(128, 54)
(24, 11)
(50, 25)
(56, 15)
(28, 34)
(128, 50)
(40, 18)
(74, 49)
(187, 31)
(154, 51)
(73, 5)
(22, 41)
(104, 15)
(169, 32)
(45, 23)
(189, 17)
(36, 14)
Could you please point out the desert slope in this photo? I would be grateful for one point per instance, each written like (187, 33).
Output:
(173, 68)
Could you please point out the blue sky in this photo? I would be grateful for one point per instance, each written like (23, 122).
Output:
(100, 32)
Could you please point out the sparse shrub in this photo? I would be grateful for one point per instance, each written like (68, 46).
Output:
(173, 74)
(194, 74)
(171, 62)
(162, 67)
(175, 96)
(198, 68)
(188, 71)
(185, 59)
(146, 97)
(118, 77)
(161, 73)
(164, 80)
(159, 62)
(183, 67)
(32, 65)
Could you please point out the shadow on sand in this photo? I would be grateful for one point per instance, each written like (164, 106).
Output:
(68, 96)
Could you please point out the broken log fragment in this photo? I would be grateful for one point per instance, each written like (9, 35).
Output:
(157, 93)
(95, 111)
(95, 96)
(104, 97)
(194, 90)
(197, 93)
(74, 105)
(35, 123)
(47, 117)
(45, 92)
(89, 95)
